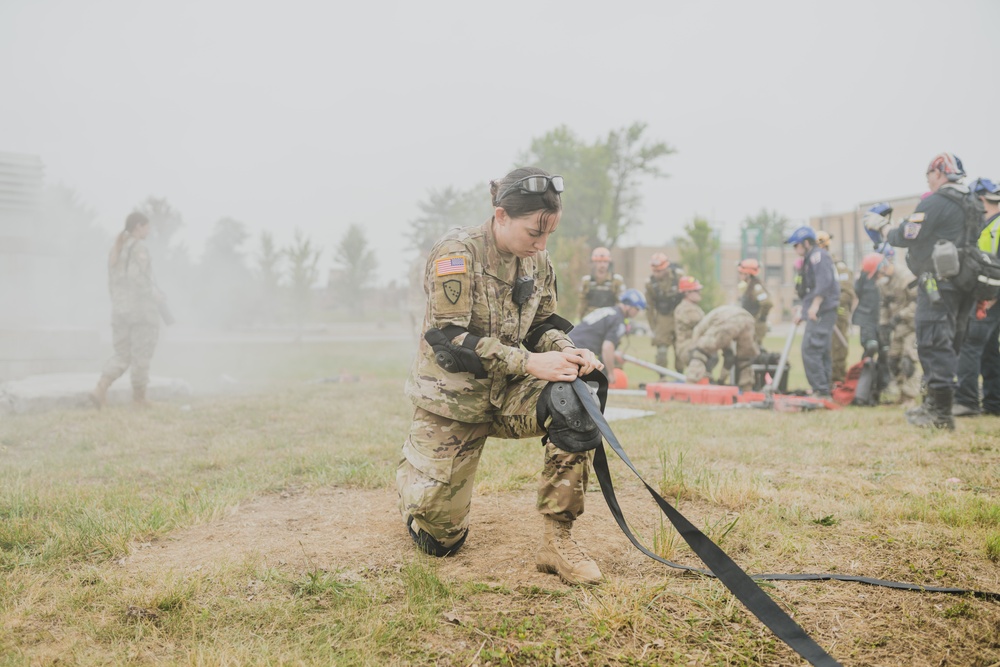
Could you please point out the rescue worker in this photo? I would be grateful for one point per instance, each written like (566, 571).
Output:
(754, 297)
(601, 288)
(898, 306)
(490, 290)
(687, 315)
(820, 294)
(842, 329)
(866, 314)
(602, 329)
(135, 315)
(980, 352)
(941, 307)
(715, 334)
(662, 297)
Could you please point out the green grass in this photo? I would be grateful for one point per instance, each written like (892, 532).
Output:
(854, 491)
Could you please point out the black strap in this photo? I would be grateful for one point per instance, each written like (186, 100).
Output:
(720, 565)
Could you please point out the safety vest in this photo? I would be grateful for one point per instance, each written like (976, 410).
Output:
(989, 238)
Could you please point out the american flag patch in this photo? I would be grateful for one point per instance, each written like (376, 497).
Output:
(450, 265)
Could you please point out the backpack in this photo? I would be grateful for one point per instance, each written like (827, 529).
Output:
(979, 271)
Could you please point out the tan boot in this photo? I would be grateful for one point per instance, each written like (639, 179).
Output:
(99, 397)
(139, 399)
(560, 554)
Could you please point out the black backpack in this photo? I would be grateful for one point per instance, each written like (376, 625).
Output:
(979, 271)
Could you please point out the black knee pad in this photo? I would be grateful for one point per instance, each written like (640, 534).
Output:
(564, 417)
(429, 545)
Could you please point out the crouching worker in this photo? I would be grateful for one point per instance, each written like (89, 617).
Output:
(716, 333)
(490, 290)
(601, 330)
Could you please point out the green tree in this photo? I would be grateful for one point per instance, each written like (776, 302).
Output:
(632, 157)
(767, 229)
(225, 295)
(303, 273)
(356, 264)
(445, 209)
(699, 250)
(268, 274)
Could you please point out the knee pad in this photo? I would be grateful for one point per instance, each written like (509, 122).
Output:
(565, 419)
(429, 545)
(906, 367)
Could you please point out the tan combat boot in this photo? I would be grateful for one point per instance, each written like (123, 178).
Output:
(139, 399)
(560, 554)
(99, 397)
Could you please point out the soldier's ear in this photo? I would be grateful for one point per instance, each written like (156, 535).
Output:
(500, 215)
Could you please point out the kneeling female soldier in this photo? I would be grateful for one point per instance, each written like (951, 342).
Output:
(491, 289)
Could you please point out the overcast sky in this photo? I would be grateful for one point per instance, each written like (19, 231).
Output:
(323, 114)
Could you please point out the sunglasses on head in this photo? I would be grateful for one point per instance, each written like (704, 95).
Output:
(534, 185)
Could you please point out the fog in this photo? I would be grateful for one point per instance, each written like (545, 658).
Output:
(317, 116)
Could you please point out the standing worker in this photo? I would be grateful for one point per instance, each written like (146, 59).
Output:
(601, 288)
(941, 307)
(687, 315)
(845, 306)
(897, 332)
(135, 314)
(662, 296)
(820, 294)
(714, 335)
(602, 329)
(980, 353)
(754, 297)
(866, 314)
(490, 290)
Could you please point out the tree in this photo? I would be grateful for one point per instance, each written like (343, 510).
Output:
(445, 209)
(225, 293)
(165, 221)
(631, 157)
(699, 250)
(303, 273)
(357, 267)
(269, 265)
(767, 229)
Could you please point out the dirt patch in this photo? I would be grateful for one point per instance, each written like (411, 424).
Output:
(361, 529)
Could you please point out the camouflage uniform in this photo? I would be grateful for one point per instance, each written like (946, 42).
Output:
(838, 351)
(135, 317)
(662, 298)
(687, 315)
(468, 284)
(899, 307)
(596, 294)
(755, 300)
(719, 329)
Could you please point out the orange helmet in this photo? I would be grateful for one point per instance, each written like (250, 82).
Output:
(688, 284)
(871, 263)
(659, 261)
(600, 255)
(749, 266)
(823, 239)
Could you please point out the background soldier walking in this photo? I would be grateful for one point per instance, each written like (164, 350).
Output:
(662, 296)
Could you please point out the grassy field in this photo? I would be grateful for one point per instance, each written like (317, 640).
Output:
(84, 495)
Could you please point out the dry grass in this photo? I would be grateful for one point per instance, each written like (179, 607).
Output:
(852, 491)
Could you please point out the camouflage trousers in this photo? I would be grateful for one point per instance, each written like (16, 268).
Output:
(134, 344)
(663, 337)
(440, 456)
(904, 346)
(838, 351)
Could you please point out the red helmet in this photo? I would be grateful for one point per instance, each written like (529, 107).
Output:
(600, 255)
(659, 261)
(688, 284)
(749, 266)
(871, 263)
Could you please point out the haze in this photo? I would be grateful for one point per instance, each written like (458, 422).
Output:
(321, 115)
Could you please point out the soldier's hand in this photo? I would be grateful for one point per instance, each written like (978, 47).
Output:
(558, 366)
(586, 359)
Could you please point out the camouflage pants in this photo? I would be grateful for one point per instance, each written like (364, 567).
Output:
(436, 475)
(838, 351)
(740, 331)
(759, 332)
(663, 338)
(134, 344)
(904, 346)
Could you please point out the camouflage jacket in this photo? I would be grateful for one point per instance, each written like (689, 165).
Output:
(755, 299)
(662, 296)
(596, 294)
(468, 283)
(847, 296)
(131, 284)
(899, 300)
(687, 315)
(730, 319)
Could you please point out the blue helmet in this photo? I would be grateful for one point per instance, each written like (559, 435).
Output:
(983, 186)
(633, 297)
(881, 209)
(801, 234)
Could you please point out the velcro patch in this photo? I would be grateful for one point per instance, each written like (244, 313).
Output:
(911, 229)
(447, 266)
(762, 296)
(452, 290)
(917, 217)
(816, 258)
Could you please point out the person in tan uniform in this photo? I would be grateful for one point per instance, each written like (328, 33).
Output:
(754, 297)
(715, 334)
(687, 315)
(896, 322)
(662, 297)
(492, 352)
(135, 311)
(601, 288)
(838, 344)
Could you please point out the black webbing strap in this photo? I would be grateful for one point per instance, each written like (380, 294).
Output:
(720, 565)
